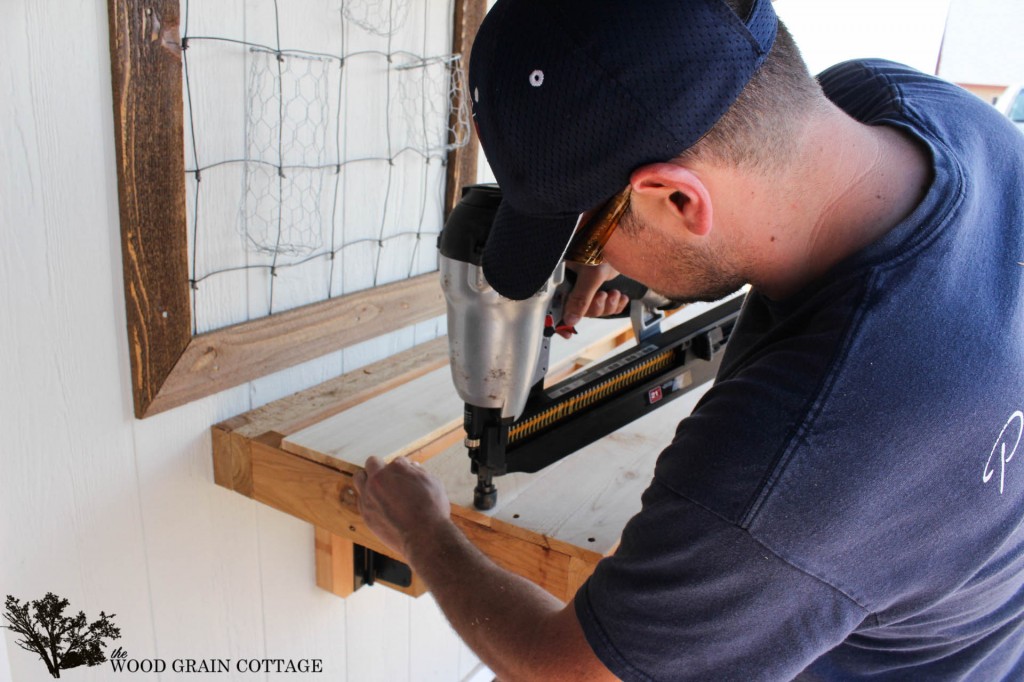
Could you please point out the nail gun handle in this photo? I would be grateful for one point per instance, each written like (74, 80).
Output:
(633, 290)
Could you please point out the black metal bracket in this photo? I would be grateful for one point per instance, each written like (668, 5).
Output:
(370, 566)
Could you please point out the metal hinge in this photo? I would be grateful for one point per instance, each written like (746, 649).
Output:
(370, 566)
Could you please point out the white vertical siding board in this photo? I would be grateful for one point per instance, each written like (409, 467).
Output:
(479, 673)
(202, 543)
(378, 635)
(364, 136)
(433, 645)
(215, 133)
(5, 666)
(469, 664)
(314, 29)
(280, 384)
(301, 620)
(430, 329)
(67, 519)
(122, 515)
(362, 354)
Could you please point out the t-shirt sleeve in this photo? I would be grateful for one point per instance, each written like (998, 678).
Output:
(689, 595)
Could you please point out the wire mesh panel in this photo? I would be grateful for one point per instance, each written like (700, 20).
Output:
(316, 133)
(379, 18)
(286, 151)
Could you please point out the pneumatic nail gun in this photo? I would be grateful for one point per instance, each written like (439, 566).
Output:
(499, 351)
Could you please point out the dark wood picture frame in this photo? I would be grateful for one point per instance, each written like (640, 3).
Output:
(170, 366)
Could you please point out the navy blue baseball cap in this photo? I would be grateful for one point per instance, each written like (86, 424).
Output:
(570, 96)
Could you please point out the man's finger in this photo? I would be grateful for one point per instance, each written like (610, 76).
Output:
(597, 304)
(613, 303)
(359, 481)
(588, 281)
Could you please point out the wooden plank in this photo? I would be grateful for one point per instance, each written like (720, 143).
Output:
(462, 162)
(573, 506)
(326, 498)
(580, 504)
(416, 420)
(406, 419)
(232, 463)
(335, 568)
(233, 355)
(422, 415)
(312, 492)
(586, 500)
(145, 57)
(451, 465)
(579, 572)
(249, 458)
(541, 565)
(301, 409)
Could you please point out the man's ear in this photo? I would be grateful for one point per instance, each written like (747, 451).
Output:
(678, 191)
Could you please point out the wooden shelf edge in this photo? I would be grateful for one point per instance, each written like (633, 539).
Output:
(326, 498)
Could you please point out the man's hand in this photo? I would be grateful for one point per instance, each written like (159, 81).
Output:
(400, 501)
(517, 629)
(586, 301)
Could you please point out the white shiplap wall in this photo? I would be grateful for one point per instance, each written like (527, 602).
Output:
(122, 515)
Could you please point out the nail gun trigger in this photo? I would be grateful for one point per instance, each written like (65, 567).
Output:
(550, 328)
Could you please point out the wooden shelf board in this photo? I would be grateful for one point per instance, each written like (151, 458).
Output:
(551, 527)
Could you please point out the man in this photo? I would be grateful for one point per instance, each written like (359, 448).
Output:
(847, 501)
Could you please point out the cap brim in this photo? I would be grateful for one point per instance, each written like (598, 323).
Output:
(523, 250)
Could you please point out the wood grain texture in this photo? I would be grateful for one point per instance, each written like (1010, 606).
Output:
(232, 463)
(231, 356)
(462, 162)
(145, 56)
(312, 492)
(330, 423)
(578, 505)
(420, 415)
(406, 419)
(327, 499)
(316, 486)
(299, 410)
(335, 567)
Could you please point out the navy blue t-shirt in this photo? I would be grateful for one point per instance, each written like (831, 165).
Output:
(847, 501)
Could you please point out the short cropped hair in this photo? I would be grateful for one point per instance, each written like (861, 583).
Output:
(759, 128)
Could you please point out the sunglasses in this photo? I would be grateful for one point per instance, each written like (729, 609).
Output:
(587, 245)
